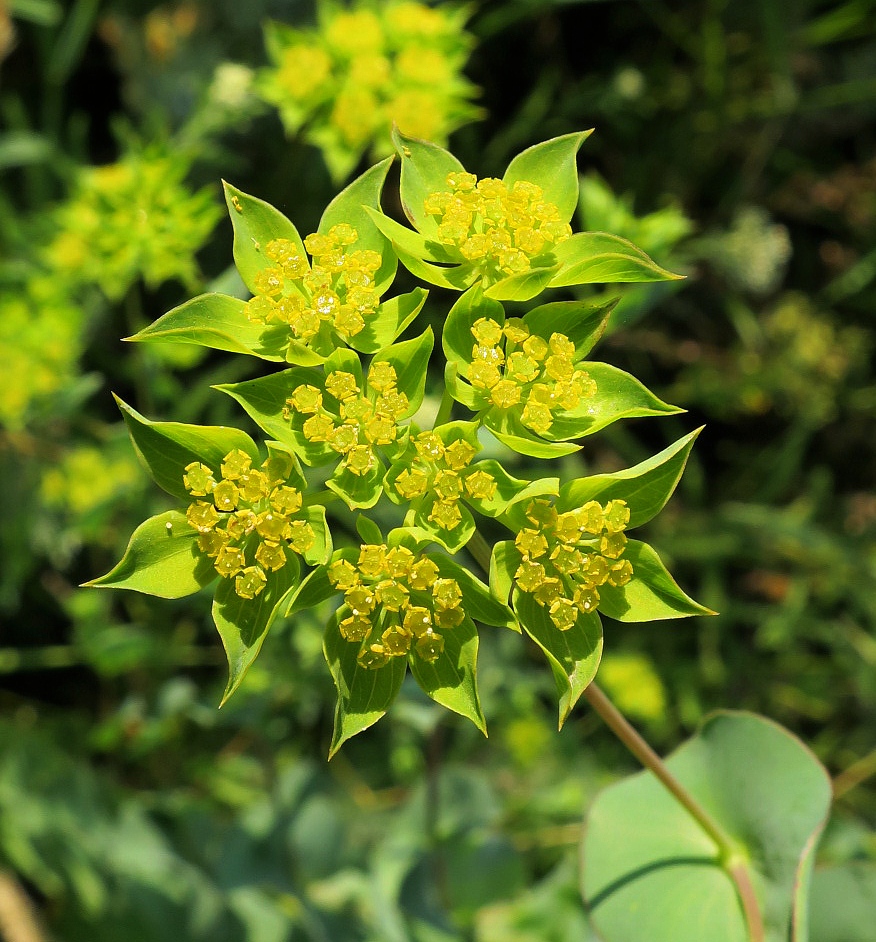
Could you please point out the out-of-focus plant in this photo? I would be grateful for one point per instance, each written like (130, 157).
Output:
(366, 67)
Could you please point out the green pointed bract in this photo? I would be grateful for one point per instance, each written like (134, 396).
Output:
(256, 223)
(243, 624)
(351, 206)
(645, 488)
(523, 286)
(504, 561)
(219, 322)
(583, 322)
(506, 426)
(452, 540)
(358, 491)
(410, 359)
(651, 595)
(424, 169)
(345, 361)
(456, 337)
(451, 679)
(552, 165)
(162, 559)
(368, 530)
(318, 554)
(412, 242)
(390, 321)
(601, 258)
(364, 695)
(264, 400)
(651, 872)
(573, 655)
(168, 447)
(313, 590)
(479, 602)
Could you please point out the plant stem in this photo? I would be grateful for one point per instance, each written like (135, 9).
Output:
(856, 773)
(729, 855)
(446, 405)
(480, 550)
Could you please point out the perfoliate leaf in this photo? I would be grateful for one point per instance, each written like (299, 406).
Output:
(651, 872)
(351, 206)
(456, 337)
(651, 595)
(573, 655)
(168, 447)
(552, 165)
(219, 322)
(478, 602)
(364, 695)
(162, 559)
(264, 400)
(243, 624)
(410, 358)
(583, 322)
(390, 321)
(601, 258)
(646, 487)
(451, 679)
(424, 169)
(618, 396)
(256, 223)
(522, 286)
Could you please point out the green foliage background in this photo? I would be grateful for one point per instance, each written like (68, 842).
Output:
(733, 142)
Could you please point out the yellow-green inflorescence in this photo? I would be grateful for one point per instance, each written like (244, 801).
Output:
(361, 423)
(246, 518)
(446, 472)
(398, 604)
(514, 366)
(338, 290)
(567, 557)
(500, 229)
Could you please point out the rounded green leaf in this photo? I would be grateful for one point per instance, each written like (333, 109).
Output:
(552, 165)
(364, 695)
(243, 624)
(219, 322)
(358, 491)
(651, 595)
(256, 223)
(162, 559)
(452, 540)
(451, 679)
(573, 655)
(168, 447)
(843, 903)
(646, 487)
(650, 871)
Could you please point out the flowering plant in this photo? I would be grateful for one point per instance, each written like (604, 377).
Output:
(349, 405)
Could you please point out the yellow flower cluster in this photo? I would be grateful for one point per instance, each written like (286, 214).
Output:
(131, 219)
(499, 229)
(516, 366)
(397, 602)
(338, 290)
(249, 508)
(369, 68)
(444, 470)
(568, 556)
(361, 424)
